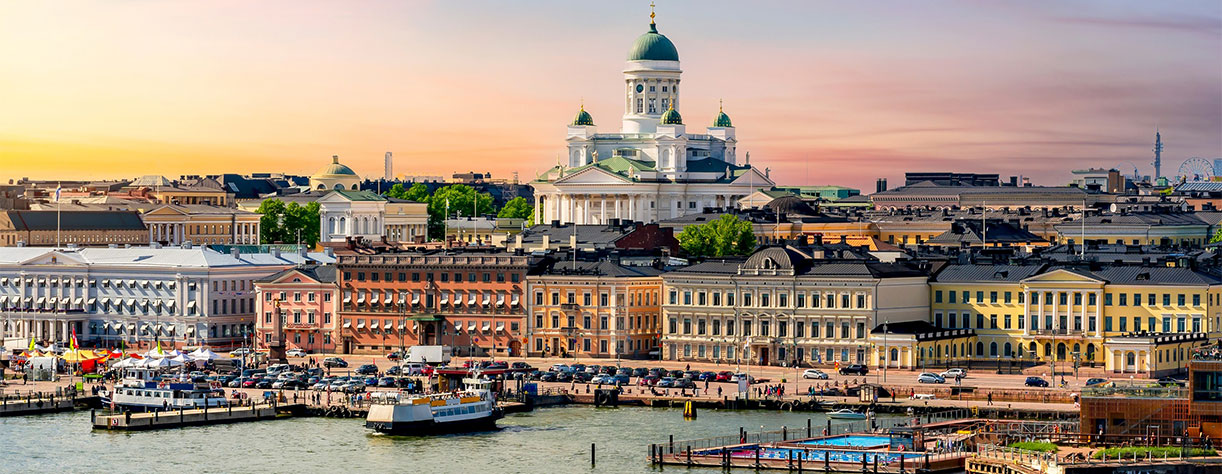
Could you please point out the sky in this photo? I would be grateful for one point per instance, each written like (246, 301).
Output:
(821, 92)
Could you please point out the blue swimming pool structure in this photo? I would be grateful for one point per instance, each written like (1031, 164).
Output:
(850, 441)
(809, 454)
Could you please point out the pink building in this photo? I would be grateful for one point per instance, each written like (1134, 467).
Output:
(297, 306)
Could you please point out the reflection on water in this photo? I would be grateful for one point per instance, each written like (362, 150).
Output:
(546, 440)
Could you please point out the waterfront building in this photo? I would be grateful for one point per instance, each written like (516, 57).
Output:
(81, 228)
(471, 300)
(298, 310)
(652, 169)
(133, 296)
(173, 224)
(598, 309)
(368, 215)
(1115, 317)
(786, 304)
(335, 176)
(1156, 414)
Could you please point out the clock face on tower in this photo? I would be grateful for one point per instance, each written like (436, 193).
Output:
(640, 88)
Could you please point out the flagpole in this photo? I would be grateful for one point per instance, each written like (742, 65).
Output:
(57, 209)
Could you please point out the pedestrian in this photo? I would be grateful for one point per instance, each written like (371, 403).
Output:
(990, 398)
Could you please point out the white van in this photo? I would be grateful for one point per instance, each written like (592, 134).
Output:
(413, 368)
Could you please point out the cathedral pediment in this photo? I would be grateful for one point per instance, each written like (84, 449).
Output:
(593, 175)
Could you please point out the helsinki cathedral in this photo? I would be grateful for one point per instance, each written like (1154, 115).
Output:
(652, 169)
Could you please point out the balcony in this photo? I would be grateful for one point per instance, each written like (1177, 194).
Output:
(570, 306)
(1061, 332)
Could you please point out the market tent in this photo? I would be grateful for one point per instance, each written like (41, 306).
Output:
(79, 355)
(161, 363)
(204, 354)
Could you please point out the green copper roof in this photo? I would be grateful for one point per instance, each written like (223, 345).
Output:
(672, 117)
(335, 169)
(722, 120)
(583, 118)
(653, 46)
(360, 195)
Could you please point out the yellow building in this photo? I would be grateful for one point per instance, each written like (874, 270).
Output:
(1124, 319)
(1138, 228)
(593, 309)
(202, 225)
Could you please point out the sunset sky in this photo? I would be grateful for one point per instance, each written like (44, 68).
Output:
(827, 92)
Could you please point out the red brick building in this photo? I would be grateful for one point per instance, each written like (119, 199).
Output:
(471, 300)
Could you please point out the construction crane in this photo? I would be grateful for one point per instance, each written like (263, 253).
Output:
(1136, 172)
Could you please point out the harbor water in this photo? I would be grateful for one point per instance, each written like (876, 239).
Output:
(545, 440)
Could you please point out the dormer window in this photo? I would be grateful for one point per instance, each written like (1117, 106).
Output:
(767, 264)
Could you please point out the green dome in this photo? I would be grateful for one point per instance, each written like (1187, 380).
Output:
(722, 120)
(583, 118)
(672, 117)
(335, 169)
(653, 46)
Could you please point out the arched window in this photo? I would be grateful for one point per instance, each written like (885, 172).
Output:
(1008, 349)
(993, 349)
(343, 227)
(1130, 359)
(331, 224)
(979, 348)
(339, 186)
(321, 187)
(895, 355)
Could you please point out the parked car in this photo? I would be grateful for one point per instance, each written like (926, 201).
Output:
(564, 377)
(602, 379)
(648, 380)
(250, 383)
(593, 369)
(295, 353)
(334, 362)
(707, 376)
(367, 369)
(386, 382)
(394, 370)
(620, 379)
(666, 382)
(1095, 381)
(929, 377)
(678, 374)
(814, 374)
(394, 355)
(559, 368)
(741, 376)
(723, 376)
(1170, 382)
(547, 377)
(413, 368)
(239, 352)
(640, 372)
(954, 373)
(683, 383)
(854, 369)
(582, 377)
(1035, 382)
(520, 365)
(354, 386)
(265, 383)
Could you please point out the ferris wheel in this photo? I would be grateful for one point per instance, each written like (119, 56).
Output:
(1196, 169)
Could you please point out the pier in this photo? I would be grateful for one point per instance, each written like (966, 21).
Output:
(157, 420)
(35, 406)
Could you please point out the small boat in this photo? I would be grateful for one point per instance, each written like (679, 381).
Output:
(846, 414)
(471, 409)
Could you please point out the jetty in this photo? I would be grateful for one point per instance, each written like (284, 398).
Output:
(35, 406)
(157, 420)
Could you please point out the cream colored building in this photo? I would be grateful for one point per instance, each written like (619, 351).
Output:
(202, 225)
(335, 176)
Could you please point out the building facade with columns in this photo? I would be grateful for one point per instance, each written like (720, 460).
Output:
(785, 304)
(368, 215)
(133, 296)
(1123, 319)
(172, 224)
(651, 169)
(297, 309)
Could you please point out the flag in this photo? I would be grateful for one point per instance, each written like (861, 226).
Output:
(57, 191)
(31, 343)
(73, 342)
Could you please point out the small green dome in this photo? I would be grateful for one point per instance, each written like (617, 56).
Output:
(672, 117)
(583, 118)
(653, 46)
(335, 169)
(722, 120)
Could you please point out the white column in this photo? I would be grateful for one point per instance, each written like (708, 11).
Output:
(1026, 312)
(632, 207)
(585, 213)
(1098, 314)
(602, 209)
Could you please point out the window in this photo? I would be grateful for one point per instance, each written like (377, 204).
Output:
(993, 297)
(716, 326)
(1107, 323)
(861, 301)
(844, 300)
(951, 296)
(687, 297)
(602, 299)
(782, 300)
(700, 327)
(1007, 297)
(844, 330)
(746, 299)
(1107, 299)
(539, 298)
(937, 296)
(716, 299)
(831, 300)
(1196, 300)
(1179, 299)
(979, 296)
(585, 299)
(861, 330)
(746, 328)
(764, 328)
(674, 297)
(764, 299)
(781, 329)
(674, 325)
(800, 300)
(701, 298)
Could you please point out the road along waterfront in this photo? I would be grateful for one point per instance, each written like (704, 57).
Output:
(545, 440)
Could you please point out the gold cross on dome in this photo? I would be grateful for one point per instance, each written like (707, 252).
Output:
(651, 12)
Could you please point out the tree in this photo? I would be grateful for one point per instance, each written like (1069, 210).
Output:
(281, 223)
(1217, 237)
(518, 208)
(726, 236)
(418, 192)
(456, 199)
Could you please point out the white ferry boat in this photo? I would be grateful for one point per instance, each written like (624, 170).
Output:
(138, 391)
(471, 409)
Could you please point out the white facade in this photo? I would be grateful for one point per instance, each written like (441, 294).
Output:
(367, 215)
(652, 169)
(132, 296)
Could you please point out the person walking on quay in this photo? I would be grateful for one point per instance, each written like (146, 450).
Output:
(990, 398)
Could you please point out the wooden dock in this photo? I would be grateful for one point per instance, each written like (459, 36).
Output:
(35, 406)
(197, 417)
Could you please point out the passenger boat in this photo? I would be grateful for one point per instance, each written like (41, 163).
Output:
(138, 391)
(471, 409)
(846, 414)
